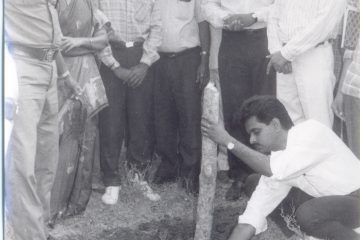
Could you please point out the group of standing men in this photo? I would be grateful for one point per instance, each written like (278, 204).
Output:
(154, 87)
(296, 33)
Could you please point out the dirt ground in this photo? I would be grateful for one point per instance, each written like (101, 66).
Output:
(135, 217)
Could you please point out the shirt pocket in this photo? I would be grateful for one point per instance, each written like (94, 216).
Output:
(142, 10)
(185, 9)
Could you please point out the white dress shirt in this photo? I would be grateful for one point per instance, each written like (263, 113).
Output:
(216, 10)
(180, 24)
(315, 160)
(300, 25)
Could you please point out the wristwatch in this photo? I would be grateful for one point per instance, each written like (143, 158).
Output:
(230, 146)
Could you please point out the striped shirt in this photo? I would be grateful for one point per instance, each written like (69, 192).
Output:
(216, 11)
(134, 20)
(298, 25)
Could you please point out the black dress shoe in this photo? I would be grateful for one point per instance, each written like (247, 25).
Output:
(165, 174)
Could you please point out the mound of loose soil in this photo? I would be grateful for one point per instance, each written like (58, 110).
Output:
(135, 217)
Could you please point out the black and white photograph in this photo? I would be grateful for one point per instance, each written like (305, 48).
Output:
(180, 120)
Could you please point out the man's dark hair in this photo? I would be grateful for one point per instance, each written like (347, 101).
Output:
(265, 108)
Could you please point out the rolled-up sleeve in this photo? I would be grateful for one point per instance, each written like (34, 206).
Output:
(213, 13)
(274, 42)
(262, 13)
(266, 197)
(151, 44)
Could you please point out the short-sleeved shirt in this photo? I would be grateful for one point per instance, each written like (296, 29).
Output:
(32, 23)
(216, 11)
(315, 160)
(180, 24)
(134, 20)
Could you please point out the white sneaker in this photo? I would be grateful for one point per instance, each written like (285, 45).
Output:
(111, 195)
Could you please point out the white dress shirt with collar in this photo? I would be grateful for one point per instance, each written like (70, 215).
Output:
(216, 10)
(180, 24)
(315, 160)
(298, 25)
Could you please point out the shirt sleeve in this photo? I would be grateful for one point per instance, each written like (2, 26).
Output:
(214, 13)
(107, 58)
(329, 15)
(198, 11)
(266, 197)
(262, 13)
(304, 151)
(100, 19)
(274, 43)
(151, 44)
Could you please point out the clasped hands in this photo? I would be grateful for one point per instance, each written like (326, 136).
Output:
(134, 76)
(237, 22)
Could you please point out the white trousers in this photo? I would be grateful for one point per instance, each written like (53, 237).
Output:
(307, 92)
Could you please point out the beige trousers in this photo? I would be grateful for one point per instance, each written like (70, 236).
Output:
(307, 92)
(33, 151)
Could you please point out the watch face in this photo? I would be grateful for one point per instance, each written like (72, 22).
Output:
(230, 146)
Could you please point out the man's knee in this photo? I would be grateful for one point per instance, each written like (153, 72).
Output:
(307, 218)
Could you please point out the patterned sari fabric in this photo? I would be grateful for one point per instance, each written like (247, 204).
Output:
(77, 118)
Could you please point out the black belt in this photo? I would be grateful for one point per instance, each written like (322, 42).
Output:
(122, 44)
(320, 43)
(246, 31)
(177, 54)
(42, 54)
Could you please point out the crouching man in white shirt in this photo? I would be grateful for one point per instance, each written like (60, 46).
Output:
(308, 156)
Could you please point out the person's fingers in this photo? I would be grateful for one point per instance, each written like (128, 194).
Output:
(338, 111)
(268, 68)
(198, 76)
(205, 81)
(278, 69)
(137, 82)
(285, 69)
(131, 78)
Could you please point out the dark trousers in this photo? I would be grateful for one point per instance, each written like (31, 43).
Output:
(242, 72)
(177, 111)
(331, 217)
(129, 111)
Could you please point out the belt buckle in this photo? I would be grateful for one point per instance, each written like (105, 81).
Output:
(49, 54)
(129, 44)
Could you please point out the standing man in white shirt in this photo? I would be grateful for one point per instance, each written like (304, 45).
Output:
(309, 157)
(299, 32)
(242, 64)
(180, 75)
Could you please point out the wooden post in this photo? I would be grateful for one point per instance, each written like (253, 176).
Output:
(205, 207)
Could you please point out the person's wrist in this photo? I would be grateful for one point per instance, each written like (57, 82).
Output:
(90, 43)
(114, 66)
(64, 75)
(254, 17)
(226, 140)
(144, 65)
